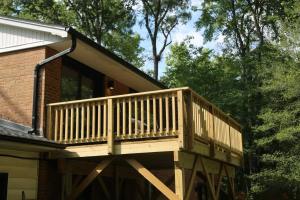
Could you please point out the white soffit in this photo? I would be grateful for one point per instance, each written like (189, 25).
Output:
(90, 56)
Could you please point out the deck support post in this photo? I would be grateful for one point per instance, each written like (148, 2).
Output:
(110, 133)
(153, 179)
(87, 180)
(179, 173)
(196, 166)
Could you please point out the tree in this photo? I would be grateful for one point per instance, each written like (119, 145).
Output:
(160, 17)
(277, 137)
(248, 27)
(214, 77)
(109, 23)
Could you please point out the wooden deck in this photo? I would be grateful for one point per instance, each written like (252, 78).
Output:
(159, 121)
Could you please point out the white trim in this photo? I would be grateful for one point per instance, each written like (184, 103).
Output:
(53, 29)
(25, 46)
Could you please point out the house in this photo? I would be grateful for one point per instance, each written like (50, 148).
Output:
(79, 122)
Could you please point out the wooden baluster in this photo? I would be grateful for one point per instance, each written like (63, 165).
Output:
(124, 117)
(161, 129)
(77, 123)
(154, 116)
(136, 118)
(173, 114)
(66, 132)
(129, 117)
(142, 117)
(61, 124)
(93, 121)
(82, 123)
(72, 124)
(167, 114)
(148, 116)
(118, 118)
(88, 121)
(105, 120)
(56, 125)
(99, 121)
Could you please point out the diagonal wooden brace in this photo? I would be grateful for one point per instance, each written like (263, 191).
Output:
(87, 180)
(153, 179)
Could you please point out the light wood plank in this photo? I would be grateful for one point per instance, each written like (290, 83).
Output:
(167, 114)
(142, 116)
(56, 125)
(88, 118)
(82, 123)
(118, 118)
(148, 116)
(77, 122)
(98, 169)
(61, 125)
(93, 121)
(153, 179)
(66, 132)
(105, 120)
(124, 117)
(129, 117)
(154, 116)
(110, 134)
(173, 114)
(136, 117)
(72, 124)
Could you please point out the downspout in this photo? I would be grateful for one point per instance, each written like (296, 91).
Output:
(38, 67)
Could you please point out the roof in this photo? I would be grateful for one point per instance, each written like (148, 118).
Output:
(11, 131)
(65, 31)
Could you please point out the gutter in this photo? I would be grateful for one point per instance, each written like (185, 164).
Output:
(38, 67)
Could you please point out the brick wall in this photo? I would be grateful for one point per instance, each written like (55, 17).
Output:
(16, 84)
(49, 181)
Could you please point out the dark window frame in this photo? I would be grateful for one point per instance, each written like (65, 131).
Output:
(3, 185)
(84, 70)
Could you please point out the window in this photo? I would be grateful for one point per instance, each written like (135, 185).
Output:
(3, 186)
(80, 81)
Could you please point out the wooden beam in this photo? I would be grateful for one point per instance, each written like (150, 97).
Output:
(179, 180)
(189, 125)
(86, 181)
(152, 179)
(210, 186)
(230, 181)
(181, 117)
(192, 178)
(104, 188)
(219, 181)
(110, 133)
(168, 182)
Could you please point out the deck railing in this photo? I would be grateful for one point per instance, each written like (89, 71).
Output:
(176, 112)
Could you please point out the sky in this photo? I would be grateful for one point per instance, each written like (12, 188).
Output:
(178, 35)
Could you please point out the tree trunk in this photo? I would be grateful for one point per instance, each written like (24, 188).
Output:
(155, 62)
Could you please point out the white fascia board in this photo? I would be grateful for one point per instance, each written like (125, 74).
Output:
(54, 30)
(26, 46)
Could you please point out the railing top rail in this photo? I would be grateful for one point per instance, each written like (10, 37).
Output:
(118, 96)
(230, 119)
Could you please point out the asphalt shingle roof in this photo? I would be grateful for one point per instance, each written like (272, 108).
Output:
(11, 130)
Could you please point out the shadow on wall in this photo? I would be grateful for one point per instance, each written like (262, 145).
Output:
(14, 112)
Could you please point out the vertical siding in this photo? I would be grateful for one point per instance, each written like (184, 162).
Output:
(22, 174)
(13, 38)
